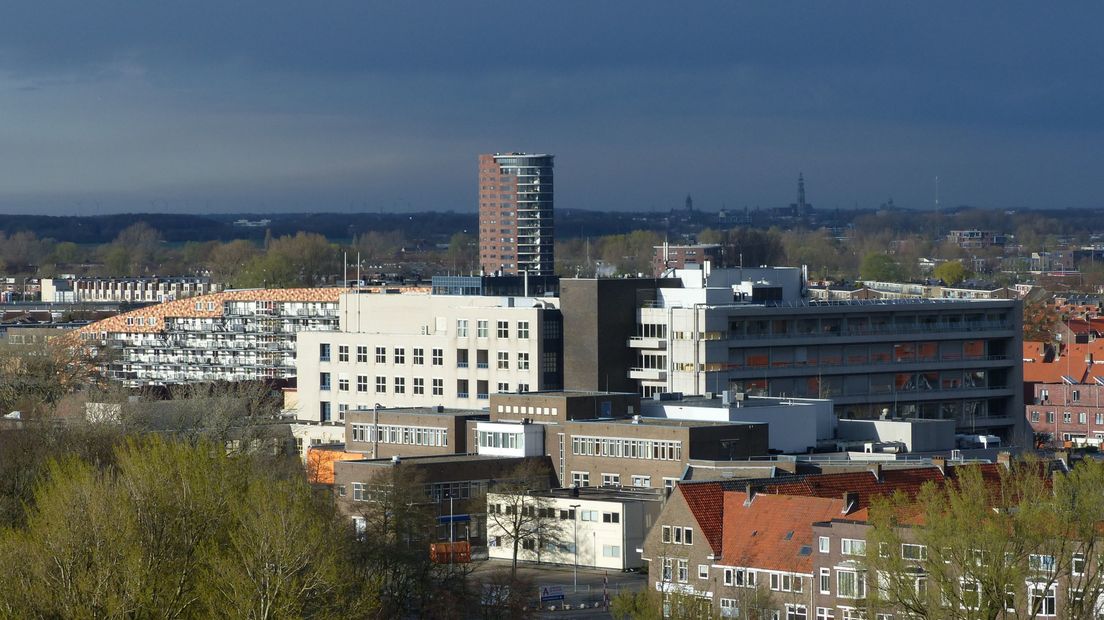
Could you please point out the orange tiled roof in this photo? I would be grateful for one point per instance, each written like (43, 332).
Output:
(865, 483)
(773, 532)
(1072, 361)
(197, 307)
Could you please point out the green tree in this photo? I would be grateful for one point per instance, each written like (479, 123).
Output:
(972, 549)
(881, 267)
(951, 272)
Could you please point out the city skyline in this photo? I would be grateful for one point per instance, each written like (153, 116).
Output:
(277, 107)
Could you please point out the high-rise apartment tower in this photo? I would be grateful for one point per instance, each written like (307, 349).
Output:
(515, 214)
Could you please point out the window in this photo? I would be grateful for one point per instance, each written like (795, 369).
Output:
(362, 355)
(825, 613)
(438, 387)
(611, 480)
(503, 388)
(324, 381)
(1099, 419)
(523, 361)
(611, 517)
(343, 353)
(400, 385)
(588, 515)
(324, 410)
(524, 387)
(852, 546)
(359, 494)
(419, 385)
(481, 329)
(666, 534)
(381, 355)
(419, 357)
(729, 608)
(667, 569)
(362, 383)
(324, 352)
(688, 536)
(914, 552)
(971, 594)
(1082, 418)
(381, 385)
(703, 571)
(1035, 416)
(1076, 395)
(796, 612)
(580, 478)
(1077, 564)
(1043, 598)
(461, 328)
(825, 581)
(825, 544)
(341, 409)
(503, 329)
(850, 584)
(438, 357)
(1041, 563)
(643, 482)
(1050, 417)
(683, 571)
(400, 355)
(343, 384)
(1067, 417)
(503, 360)
(523, 330)
(611, 551)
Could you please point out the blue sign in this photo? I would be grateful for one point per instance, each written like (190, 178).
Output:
(453, 518)
(552, 593)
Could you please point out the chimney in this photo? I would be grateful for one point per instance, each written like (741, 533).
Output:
(941, 463)
(876, 469)
(750, 495)
(1005, 458)
(850, 499)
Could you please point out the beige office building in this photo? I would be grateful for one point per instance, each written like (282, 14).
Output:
(422, 350)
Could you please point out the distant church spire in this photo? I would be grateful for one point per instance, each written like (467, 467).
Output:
(800, 193)
(689, 203)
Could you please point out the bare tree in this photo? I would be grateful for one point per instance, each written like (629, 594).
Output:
(520, 517)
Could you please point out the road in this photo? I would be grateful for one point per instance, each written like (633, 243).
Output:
(589, 590)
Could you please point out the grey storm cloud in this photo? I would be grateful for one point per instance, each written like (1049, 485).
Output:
(113, 106)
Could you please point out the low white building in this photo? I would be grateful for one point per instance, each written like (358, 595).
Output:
(593, 527)
(308, 435)
(795, 425)
(509, 438)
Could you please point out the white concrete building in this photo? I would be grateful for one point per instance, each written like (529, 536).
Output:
(423, 350)
(598, 527)
(509, 438)
(795, 425)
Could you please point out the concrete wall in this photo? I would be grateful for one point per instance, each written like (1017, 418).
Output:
(917, 435)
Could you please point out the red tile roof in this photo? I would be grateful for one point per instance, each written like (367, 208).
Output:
(706, 503)
(773, 532)
(1072, 361)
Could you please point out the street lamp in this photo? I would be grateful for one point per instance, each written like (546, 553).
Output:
(575, 520)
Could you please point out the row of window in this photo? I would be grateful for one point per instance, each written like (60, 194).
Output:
(437, 356)
(677, 535)
(1067, 417)
(398, 384)
(402, 435)
(656, 449)
(482, 329)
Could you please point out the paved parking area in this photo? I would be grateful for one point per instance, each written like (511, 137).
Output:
(589, 591)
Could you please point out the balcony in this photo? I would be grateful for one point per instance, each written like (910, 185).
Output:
(482, 365)
(461, 395)
(461, 364)
(645, 342)
(648, 374)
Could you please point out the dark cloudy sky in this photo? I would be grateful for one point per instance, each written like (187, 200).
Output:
(335, 105)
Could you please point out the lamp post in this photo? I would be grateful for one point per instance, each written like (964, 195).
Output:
(575, 520)
(451, 518)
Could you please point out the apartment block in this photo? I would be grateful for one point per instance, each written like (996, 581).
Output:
(227, 336)
(671, 256)
(515, 214)
(423, 350)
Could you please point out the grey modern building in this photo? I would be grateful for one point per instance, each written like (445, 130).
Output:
(754, 331)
